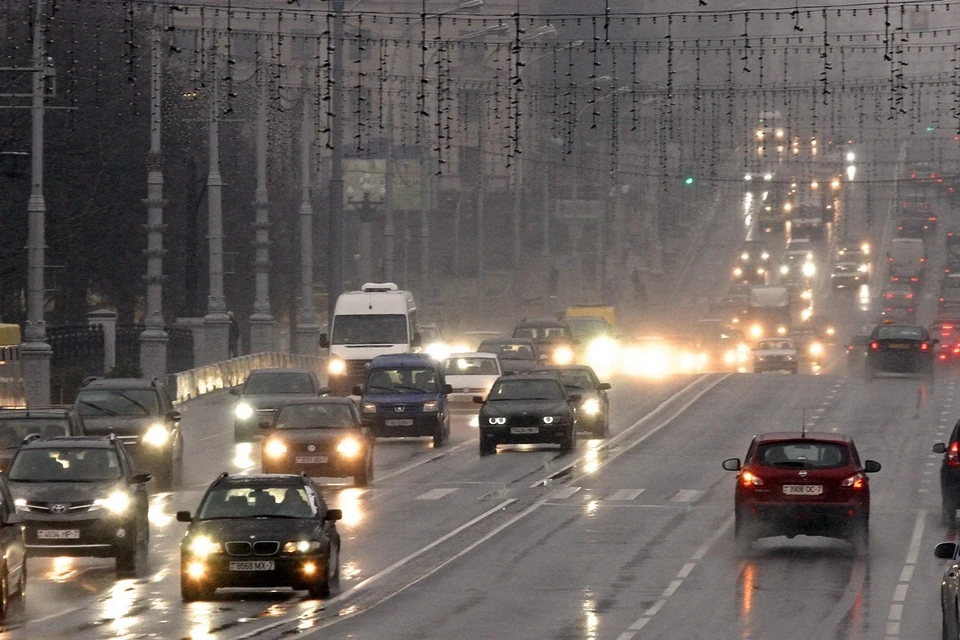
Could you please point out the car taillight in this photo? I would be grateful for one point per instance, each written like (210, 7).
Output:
(850, 347)
(909, 296)
(888, 296)
(941, 299)
(953, 455)
(748, 479)
(900, 228)
(923, 259)
(856, 481)
(956, 350)
(874, 345)
(914, 279)
(889, 259)
(924, 346)
(932, 218)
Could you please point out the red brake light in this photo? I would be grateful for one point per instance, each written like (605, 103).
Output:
(889, 259)
(888, 296)
(941, 299)
(914, 279)
(909, 296)
(923, 259)
(748, 479)
(874, 345)
(956, 349)
(953, 455)
(856, 481)
(932, 218)
(913, 175)
(900, 228)
(924, 346)
(946, 327)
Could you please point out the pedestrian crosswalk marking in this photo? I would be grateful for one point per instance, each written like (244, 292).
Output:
(436, 494)
(564, 493)
(626, 494)
(687, 495)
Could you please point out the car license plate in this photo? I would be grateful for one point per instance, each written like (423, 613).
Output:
(524, 429)
(898, 345)
(406, 422)
(802, 489)
(311, 459)
(252, 565)
(58, 534)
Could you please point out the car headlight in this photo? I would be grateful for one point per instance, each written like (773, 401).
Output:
(784, 269)
(730, 357)
(816, 349)
(349, 447)
(737, 272)
(862, 268)
(831, 331)
(591, 407)
(369, 407)
(116, 503)
(336, 367)
(563, 355)
(809, 269)
(548, 419)
(765, 255)
(497, 420)
(756, 332)
(430, 407)
(437, 350)
(156, 436)
(474, 421)
(275, 448)
(202, 546)
(301, 546)
(243, 411)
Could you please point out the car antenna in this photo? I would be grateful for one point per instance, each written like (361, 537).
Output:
(803, 425)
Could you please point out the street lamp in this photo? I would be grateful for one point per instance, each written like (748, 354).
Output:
(365, 206)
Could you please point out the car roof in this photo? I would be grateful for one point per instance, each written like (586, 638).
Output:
(23, 412)
(472, 354)
(279, 370)
(824, 436)
(527, 341)
(121, 383)
(540, 322)
(269, 479)
(71, 442)
(402, 360)
(530, 376)
(319, 400)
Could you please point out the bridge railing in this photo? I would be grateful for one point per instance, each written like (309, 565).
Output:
(198, 381)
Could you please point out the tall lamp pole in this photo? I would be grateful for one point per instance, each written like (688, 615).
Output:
(35, 353)
(308, 331)
(153, 339)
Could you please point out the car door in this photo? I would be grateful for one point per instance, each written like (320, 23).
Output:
(140, 493)
(328, 527)
(11, 536)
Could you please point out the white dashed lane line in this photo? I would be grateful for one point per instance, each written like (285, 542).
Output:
(895, 613)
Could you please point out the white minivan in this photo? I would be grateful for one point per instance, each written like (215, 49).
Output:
(378, 319)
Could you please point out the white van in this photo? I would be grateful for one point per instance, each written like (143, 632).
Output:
(379, 319)
(906, 260)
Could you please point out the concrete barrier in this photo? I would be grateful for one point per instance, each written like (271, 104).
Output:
(196, 382)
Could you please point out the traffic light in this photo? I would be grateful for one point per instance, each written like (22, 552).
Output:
(688, 180)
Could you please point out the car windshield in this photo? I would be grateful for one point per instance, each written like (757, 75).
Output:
(278, 383)
(97, 403)
(313, 416)
(578, 378)
(845, 267)
(542, 333)
(256, 502)
(774, 344)
(470, 366)
(402, 380)
(526, 390)
(14, 430)
(429, 334)
(587, 327)
(509, 350)
(899, 332)
(65, 465)
(803, 454)
(372, 329)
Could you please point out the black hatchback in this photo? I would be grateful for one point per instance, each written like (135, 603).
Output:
(900, 348)
(48, 422)
(256, 531)
(949, 476)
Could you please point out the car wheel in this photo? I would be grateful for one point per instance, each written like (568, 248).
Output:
(365, 475)
(569, 442)
(129, 551)
(860, 538)
(322, 589)
(948, 511)
(21, 594)
(439, 436)
(192, 592)
(487, 447)
(744, 532)
(176, 471)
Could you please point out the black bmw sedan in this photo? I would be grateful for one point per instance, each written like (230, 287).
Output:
(266, 530)
(900, 348)
(528, 409)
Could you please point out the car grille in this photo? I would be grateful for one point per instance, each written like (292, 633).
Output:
(265, 548)
(525, 421)
(238, 548)
(48, 507)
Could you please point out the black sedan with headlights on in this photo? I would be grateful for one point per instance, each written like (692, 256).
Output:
(900, 348)
(528, 409)
(263, 391)
(323, 437)
(80, 496)
(593, 410)
(950, 588)
(260, 531)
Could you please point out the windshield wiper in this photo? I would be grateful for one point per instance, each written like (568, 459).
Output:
(146, 411)
(102, 410)
(382, 388)
(413, 389)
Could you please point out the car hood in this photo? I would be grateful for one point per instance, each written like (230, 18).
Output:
(471, 382)
(775, 352)
(524, 407)
(400, 398)
(518, 366)
(279, 529)
(120, 425)
(62, 491)
(318, 435)
(267, 402)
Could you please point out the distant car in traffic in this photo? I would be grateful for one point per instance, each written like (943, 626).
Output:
(48, 422)
(516, 355)
(593, 410)
(775, 354)
(264, 391)
(848, 275)
(900, 348)
(470, 374)
(141, 414)
(857, 346)
(323, 437)
(266, 530)
(949, 476)
(810, 348)
(802, 483)
(81, 496)
(13, 571)
(528, 409)
(554, 338)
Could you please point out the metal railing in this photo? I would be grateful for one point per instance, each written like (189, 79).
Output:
(196, 382)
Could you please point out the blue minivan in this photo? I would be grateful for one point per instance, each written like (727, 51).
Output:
(405, 395)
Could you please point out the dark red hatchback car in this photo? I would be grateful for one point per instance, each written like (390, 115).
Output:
(795, 483)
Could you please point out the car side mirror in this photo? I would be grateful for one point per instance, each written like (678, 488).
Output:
(324, 341)
(732, 464)
(871, 466)
(184, 516)
(940, 448)
(333, 515)
(172, 416)
(448, 388)
(604, 386)
(417, 340)
(140, 478)
(234, 391)
(945, 550)
(576, 398)
(265, 425)
(324, 391)
(477, 399)
(357, 390)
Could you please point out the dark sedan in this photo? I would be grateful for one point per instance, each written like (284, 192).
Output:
(323, 437)
(593, 411)
(900, 348)
(263, 391)
(17, 424)
(260, 531)
(528, 409)
(517, 355)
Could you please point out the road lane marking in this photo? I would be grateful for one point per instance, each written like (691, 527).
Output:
(435, 494)
(419, 463)
(563, 493)
(895, 613)
(58, 614)
(687, 495)
(687, 568)
(625, 494)
(900, 593)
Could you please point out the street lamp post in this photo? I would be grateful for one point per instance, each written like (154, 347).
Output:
(335, 219)
(308, 331)
(35, 353)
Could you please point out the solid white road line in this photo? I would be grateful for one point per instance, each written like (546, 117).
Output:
(625, 494)
(435, 494)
